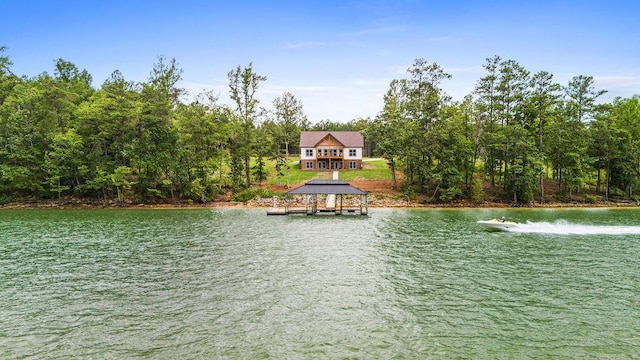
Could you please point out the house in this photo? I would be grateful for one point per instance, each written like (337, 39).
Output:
(331, 150)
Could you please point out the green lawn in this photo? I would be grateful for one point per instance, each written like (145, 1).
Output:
(375, 169)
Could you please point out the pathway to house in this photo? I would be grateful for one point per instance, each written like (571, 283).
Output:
(330, 203)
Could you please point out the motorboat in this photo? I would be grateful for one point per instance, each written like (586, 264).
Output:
(497, 224)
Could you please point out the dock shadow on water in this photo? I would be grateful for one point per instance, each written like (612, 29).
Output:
(235, 283)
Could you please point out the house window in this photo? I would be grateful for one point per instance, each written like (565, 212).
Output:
(322, 164)
(353, 164)
(309, 165)
(324, 151)
(352, 152)
(334, 152)
(309, 152)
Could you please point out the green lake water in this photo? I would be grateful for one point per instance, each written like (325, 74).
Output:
(237, 284)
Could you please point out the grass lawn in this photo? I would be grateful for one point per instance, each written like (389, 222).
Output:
(374, 169)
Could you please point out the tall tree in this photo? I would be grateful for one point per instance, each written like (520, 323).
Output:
(512, 92)
(65, 91)
(542, 105)
(487, 107)
(202, 128)
(243, 85)
(581, 97)
(453, 151)
(424, 98)
(155, 140)
(625, 171)
(290, 118)
(107, 123)
(387, 128)
(23, 142)
(571, 160)
(63, 161)
(605, 138)
(7, 79)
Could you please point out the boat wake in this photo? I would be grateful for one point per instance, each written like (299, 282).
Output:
(562, 227)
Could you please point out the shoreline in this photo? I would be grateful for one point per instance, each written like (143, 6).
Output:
(267, 204)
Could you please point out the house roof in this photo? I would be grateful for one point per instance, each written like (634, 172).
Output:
(353, 139)
(319, 186)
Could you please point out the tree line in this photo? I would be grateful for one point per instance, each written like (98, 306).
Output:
(517, 131)
(127, 141)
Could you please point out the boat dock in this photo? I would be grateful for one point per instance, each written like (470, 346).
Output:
(324, 197)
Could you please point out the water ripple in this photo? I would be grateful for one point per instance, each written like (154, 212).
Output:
(234, 283)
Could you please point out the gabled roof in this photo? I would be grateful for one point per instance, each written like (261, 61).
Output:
(352, 139)
(319, 186)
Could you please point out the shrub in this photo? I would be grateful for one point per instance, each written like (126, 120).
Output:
(591, 199)
(197, 191)
(450, 194)
(477, 192)
(407, 193)
(245, 195)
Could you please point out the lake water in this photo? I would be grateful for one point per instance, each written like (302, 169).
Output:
(235, 283)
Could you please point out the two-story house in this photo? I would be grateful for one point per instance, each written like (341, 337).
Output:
(331, 150)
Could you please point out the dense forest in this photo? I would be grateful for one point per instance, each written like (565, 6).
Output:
(518, 133)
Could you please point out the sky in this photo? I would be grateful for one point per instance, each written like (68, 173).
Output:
(337, 57)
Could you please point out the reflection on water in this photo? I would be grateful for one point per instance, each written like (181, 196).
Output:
(234, 283)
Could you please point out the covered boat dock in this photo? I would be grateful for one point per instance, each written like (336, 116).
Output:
(324, 197)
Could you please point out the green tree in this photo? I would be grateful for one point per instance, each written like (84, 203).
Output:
(542, 105)
(63, 92)
(625, 170)
(23, 141)
(7, 79)
(263, 141)
(387, 129)
(155, 139)
(571, 161)
(423, 101)
(581, 97)
(107, 123)
(604, 146)
(512, 93)
(120, 179)
(290, 118)
(453, 150)
(486, 104)
(243, 85)
(63, 161)
(203, 129)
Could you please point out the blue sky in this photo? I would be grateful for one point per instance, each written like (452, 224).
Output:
(337, 57)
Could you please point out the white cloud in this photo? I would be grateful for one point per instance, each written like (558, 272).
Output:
(608, 80)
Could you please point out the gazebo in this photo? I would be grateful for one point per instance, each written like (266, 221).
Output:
(334, 201)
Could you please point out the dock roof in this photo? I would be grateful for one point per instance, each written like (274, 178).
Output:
(320, 186)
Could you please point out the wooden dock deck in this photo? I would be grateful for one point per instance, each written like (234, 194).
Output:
(302, 211)
(286, 211)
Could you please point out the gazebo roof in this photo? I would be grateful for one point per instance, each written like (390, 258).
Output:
(319, 186)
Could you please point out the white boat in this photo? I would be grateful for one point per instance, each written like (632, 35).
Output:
(497, 224)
